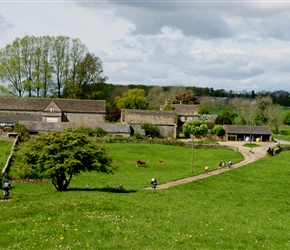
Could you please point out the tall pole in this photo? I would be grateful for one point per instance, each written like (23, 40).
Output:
(192, 138)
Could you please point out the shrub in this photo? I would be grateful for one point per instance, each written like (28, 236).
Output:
(151, 130)
(20, 128)
(84, 130)
(138, 136)
(100, 132)
(218, 130)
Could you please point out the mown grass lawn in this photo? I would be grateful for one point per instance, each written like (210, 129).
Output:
(246, 208)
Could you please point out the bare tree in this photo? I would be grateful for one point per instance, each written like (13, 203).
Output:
(11, 69)
(273, 114)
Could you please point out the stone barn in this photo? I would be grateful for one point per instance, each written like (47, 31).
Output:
(15, 109)
(166, 121)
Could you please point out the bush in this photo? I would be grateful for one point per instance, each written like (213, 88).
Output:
(20, 128)
(218, 130)
(138, 136)
(151, 130)
(84, 130)
(100, 132)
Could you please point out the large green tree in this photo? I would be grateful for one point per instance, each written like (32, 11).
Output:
(194, 127)
(59, 155)
(132, 99)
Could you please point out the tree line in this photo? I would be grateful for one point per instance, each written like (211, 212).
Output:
(48, 66)
(63, 67)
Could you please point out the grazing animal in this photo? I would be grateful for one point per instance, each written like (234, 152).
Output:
(140, 163)
(160, 162)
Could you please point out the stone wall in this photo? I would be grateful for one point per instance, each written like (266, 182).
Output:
(112, 129)
(84, 117)
(157, 117)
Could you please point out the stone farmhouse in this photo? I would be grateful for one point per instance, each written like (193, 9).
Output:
(169, 123)
(184, 112)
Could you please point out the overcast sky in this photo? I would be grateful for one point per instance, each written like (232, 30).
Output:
(231, 45)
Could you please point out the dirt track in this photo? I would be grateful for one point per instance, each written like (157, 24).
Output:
(249, 156)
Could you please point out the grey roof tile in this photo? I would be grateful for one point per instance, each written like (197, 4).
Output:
(239, 129)
(39, 104)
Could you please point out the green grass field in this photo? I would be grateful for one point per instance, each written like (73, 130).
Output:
(246, 208)
(5, 148)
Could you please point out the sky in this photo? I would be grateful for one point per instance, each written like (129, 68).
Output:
(230, 45)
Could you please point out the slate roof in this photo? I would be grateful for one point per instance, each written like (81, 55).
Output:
(183, 109)
(238, 129)
(39, 104)
(15, 117)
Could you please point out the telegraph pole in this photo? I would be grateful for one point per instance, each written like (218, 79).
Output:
(192, 157)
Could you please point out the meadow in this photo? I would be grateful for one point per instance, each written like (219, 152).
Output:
(246, 208)
(5, 148)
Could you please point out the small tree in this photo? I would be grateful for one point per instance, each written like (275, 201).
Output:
(203, 110)
(194, 127)
(20, 129)
(59, 155)
(114, 115)
(286, 118)
(223, 119)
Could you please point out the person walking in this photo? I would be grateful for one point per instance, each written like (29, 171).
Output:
(7, 187)
(206, 169)
(220, 165)
(155, 183)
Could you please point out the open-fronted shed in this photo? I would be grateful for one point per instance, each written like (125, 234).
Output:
(247, 133)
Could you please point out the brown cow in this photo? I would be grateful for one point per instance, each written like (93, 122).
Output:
(141, 163)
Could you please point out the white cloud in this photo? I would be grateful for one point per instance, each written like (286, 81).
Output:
(225, 45)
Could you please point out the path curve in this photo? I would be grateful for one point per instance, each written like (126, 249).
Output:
(249, 156)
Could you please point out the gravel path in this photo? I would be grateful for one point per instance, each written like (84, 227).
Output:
(249, 156)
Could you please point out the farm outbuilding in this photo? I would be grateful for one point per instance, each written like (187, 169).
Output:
(51, 110)
(247, 133)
